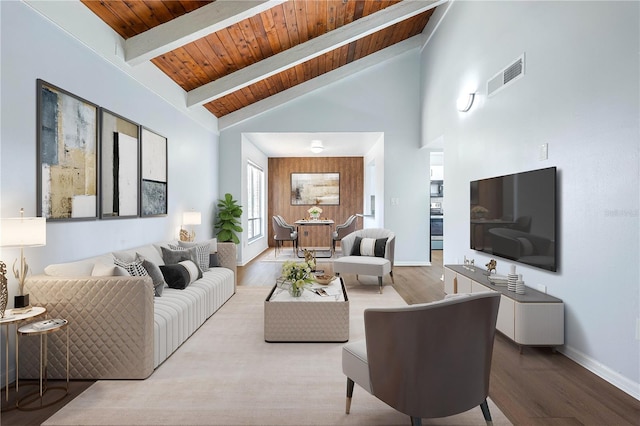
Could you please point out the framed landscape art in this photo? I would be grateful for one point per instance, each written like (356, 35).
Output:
(315, 189)
(67, 136)
(153, 187)
(119, 166)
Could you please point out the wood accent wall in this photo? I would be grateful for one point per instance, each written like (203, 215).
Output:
(351, 171)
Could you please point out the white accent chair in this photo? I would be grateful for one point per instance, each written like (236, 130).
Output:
(428, 360)
(377, 266)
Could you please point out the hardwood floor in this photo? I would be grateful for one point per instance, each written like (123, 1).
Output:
(537, 387)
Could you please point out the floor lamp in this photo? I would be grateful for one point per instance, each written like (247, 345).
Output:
(22, 232)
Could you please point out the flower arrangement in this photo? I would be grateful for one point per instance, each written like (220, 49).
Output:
(315, 211)
(298, 274)
(478, 212)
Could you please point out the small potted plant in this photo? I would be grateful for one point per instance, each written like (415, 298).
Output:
(314, 212)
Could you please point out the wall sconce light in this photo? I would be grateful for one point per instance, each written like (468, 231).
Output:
(22, 232)
(465, 101)
(189, 218)
(316, 146)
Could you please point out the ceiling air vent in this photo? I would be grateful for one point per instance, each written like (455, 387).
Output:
(506, 76)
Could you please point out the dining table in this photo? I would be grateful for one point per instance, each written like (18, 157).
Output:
(319, 251)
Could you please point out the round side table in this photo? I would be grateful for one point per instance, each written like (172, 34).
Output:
(14, 316)
(42, 329)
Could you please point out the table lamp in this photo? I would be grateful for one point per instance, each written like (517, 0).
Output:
(189, 218)
(22, 232)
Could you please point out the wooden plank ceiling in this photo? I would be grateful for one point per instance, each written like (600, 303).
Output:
(218, 56)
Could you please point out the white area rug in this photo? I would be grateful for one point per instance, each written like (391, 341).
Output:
(226, 374)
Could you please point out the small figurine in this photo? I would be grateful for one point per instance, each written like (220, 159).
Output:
(310, 258)
(491, 266)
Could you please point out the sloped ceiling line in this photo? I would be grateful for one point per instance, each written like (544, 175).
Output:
(306, 51)
(191, 27)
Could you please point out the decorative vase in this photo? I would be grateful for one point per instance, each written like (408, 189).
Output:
(315, 216)
(4, 293)
(296, 291)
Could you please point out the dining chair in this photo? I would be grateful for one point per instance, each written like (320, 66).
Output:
(343, 230)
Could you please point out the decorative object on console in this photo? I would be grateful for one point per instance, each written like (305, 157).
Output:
(4, 293)
(519, 285)
(228, 222)
(22, 232)
(491, 266)
(190, 218)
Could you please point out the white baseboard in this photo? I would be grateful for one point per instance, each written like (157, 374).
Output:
(623, 383)
(412, 263)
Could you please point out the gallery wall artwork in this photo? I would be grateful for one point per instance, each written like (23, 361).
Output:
(315, 189)
(119, 166)
(67, 134)
(154, 174)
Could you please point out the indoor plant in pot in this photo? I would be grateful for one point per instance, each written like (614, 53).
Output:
(228, 219)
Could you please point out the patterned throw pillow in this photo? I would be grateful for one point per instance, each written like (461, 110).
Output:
(134, 268)
(369, 247)
(156, 275)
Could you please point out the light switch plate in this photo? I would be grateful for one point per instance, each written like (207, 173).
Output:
(544, 152)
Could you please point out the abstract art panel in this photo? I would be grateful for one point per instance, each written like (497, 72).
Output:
(315, 189)
(119, 167)
(154, 174)
(67, 129)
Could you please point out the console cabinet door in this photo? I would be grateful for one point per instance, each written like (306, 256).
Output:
(506, 317)
(449, 281)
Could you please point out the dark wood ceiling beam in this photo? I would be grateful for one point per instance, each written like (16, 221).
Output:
(190, 27)
(304, 52)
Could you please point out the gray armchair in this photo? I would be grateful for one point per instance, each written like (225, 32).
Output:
(429, 360)
(343, 230)
(282, 232)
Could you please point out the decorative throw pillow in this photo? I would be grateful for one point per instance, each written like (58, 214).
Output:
(173, 256)
(214, 261)
(134, 268)
(102, 270)
(202, 251)
(369, 247)
(155, 273)
(180, 275)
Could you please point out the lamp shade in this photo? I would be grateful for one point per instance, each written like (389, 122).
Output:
(191, 218)
(23, 232)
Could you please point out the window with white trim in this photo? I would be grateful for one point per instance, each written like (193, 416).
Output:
(255, 203)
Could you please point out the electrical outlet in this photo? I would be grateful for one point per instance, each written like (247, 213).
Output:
(541, 287)
(544, 152)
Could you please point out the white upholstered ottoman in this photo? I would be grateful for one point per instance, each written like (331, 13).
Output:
(363, 265)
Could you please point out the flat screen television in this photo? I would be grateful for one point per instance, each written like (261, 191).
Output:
(514, 217)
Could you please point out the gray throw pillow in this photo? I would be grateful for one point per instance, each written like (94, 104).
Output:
(171, 257)
(155, 274)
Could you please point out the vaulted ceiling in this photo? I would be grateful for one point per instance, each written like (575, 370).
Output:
(229, 54)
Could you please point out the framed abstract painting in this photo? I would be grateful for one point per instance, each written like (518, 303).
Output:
(119, 166)
(153, 184)
(315, 189)
(67, 136)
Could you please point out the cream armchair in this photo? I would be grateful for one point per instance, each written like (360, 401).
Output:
(429, 360)
(375, 260)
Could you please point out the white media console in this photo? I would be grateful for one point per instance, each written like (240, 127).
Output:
(530, 319)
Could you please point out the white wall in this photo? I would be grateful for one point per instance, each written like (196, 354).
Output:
(34, 48)
(384, 98)
(580, 94)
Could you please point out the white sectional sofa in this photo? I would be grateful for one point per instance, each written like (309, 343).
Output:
(118, 328)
